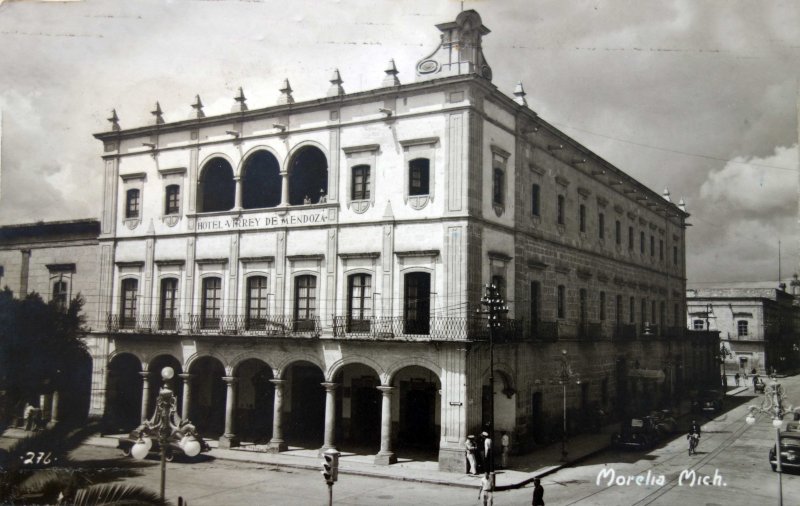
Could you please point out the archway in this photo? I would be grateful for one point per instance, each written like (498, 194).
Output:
(123, 393)
(75, 390)
(305, 402)
(419, 404)
(261, 181)
(216, 190)
(255, 397)
(207, 396)
(358, 409)
(505, 405)
(156, 382)
(308, 176)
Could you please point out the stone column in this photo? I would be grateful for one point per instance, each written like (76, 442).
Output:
(237, 199)
(145, 392)
(285, 188)
(385, 456)
(187, 389)
(229, 439)
(277, 444)
(54, 410)
(330, 416)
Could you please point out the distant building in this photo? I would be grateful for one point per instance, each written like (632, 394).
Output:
(57, 260)
(758, 324)
(312, 270)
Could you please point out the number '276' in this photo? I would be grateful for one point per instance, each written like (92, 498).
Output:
(37, 458)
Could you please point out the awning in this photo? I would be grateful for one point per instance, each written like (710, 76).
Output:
(650, 374)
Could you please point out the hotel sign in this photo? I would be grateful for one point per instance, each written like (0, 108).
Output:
(267, 221)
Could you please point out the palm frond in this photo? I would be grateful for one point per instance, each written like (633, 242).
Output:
(118, 495)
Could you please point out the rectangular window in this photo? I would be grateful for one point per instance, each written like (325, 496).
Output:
(652, 246)
(561, 302)
(419, 176)
(644, 311)
(602, 306)
(257, 303)
(618, 310)
(61, 295)
(417, 303)
(130, 287)
(601, 224)
(359, 302)
(618, 232)
(676, 315)
(172, 199)
(584, 305)
(675, 255)
(211, 309)
(741, 328)
(642, 241)
(305, 297)
(698, 325)
(661, 249)
(560, 210)
(535, 211)
(168, 310)
(360, 182)
(582, 217)
(132, 203)
(632, 309)
(653, 312)
(498, 187)
(536, 303)
(630, 238)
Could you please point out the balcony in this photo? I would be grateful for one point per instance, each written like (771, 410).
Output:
(269, 326)
(144, 324)
(589, 331)
(624, 332)
(430, 329)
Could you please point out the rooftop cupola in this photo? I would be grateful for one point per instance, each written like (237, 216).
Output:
(460, 50)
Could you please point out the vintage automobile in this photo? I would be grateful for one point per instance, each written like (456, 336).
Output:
(175, 448)
(664, 421)
(637, 434)
(790, 451)
(760, 387)
(707, 402)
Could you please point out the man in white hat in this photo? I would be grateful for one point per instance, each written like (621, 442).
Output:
(469, 450)
(488, 465)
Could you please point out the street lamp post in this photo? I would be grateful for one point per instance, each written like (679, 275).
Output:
(772, 405)
(563, 377)
(495, 308)
(165, 425)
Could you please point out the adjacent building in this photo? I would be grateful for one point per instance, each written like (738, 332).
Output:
(313, 271)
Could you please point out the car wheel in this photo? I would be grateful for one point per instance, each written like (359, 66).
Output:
(126, 451)
(170, 457)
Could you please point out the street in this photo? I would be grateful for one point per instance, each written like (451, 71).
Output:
(732, 455)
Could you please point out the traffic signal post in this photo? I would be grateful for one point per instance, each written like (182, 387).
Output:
(330, 471)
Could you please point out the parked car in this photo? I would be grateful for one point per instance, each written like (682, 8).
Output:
(664, 421)
(637, 434)
(175, 449)
(790, 451)
(707, 401)
(792, 426)
(760, 387)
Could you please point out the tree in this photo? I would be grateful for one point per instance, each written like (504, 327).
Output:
(38, 342)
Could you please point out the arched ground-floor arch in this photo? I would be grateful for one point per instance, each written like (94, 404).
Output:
(123, 393)
(358, 409)
(75, 391)
(155, 367)
(304, 405)
(418, 415)
(255, 397)
(207, 396)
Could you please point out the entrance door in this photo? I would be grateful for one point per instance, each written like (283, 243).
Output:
(417, 416)
(365, 427)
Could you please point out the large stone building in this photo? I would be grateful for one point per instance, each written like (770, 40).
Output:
(759, 324)
(312, 270)
(57, 260)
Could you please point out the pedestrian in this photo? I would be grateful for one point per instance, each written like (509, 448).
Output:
(488, 465)
(505, 442)
(485, 492)
(27, 415)
(736, 378)
(538, 493)
(753, 371)
(755, 382)
(469, 450)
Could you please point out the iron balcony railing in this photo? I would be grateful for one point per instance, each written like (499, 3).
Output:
(144, 324)
(436, 328)
(590, 331)
(624, 332)
(268, 325)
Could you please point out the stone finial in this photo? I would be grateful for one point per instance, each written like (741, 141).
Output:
(198, 107)
(114, 120)
(286, 93)
(240, 104)
(666, 194)
(158, 114)
(519, 95)
(391, 75)
(682, 205)
(336, 89)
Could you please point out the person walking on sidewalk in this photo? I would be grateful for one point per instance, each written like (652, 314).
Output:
(488, 463)
(486, 494)
(538, 493)
(469, 450)
(736, 378)
(505, 442)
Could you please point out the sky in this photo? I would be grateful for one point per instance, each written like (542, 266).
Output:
(696, 96)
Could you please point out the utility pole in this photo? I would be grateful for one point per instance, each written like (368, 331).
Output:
(495, 307)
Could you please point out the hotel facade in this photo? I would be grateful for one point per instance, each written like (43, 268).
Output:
(313, 271)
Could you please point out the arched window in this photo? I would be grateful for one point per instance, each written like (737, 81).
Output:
(359, 302)
(216, 189)
(308, 176)
(132, 203)
(130, 289)
(305, 302)
(419, 177)
(211, 309)
(172, 199)
(257, 303)
(261, 184)
(168, 308)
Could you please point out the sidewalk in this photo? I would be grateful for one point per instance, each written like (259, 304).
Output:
(525, 468)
